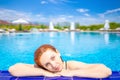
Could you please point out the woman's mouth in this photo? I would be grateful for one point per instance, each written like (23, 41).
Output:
(57, 68)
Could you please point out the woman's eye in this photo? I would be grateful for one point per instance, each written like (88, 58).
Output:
(53, 58)
(47, 64)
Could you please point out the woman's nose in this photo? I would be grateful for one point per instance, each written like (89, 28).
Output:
(53, 63)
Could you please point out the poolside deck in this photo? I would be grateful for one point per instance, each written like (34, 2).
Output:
(5, 75)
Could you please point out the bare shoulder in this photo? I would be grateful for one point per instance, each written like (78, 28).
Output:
(72, 62)
(75, 64)
(81, 65)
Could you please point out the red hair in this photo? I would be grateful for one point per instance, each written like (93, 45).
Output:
(40, 51)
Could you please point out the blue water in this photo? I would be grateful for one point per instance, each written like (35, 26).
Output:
(89, 47)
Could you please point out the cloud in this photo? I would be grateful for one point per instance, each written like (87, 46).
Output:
(9, 15)
(109, 12)
(70, 16)
(64, 18)
(49, 1)
(70, 1)
(86, 14)
(43, 2)
(56, 1)
(6, 14)
(111, 15)
(53, 1)
(38, 15)
(89, 20)
(38, 18)
(112, 11)
(60, 18)
(81, 10)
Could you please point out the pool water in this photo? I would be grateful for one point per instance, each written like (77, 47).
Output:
(89, 47)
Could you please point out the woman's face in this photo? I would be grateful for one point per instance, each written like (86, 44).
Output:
(51, 61)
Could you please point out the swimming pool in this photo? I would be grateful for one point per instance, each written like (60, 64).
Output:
(89, 47)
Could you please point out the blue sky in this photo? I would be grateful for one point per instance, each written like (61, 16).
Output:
(83, 11)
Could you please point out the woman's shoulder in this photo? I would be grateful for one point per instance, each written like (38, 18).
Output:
(74, 62)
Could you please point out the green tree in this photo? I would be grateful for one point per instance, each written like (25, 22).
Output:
(113, 25)
(77, 25)
(20, 27)
(57, 26)
(43, 26)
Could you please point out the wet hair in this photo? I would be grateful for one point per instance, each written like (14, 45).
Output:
(40, 51)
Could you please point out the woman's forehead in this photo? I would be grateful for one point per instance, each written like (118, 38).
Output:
(49, 52)
(47, 55)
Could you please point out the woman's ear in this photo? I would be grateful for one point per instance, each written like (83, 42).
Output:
(57, 52)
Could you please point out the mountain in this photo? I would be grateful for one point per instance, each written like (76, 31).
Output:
(4, 22)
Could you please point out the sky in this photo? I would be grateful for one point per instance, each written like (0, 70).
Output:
(85, 12)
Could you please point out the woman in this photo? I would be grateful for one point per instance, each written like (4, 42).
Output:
(49, 63)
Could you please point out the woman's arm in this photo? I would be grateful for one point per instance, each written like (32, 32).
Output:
(96, 71)
(86, 70)
(21, 69)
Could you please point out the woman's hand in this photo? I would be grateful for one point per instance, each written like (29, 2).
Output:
(50, 74)
(64, 73)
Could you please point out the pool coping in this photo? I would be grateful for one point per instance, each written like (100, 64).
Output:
(5, 75)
